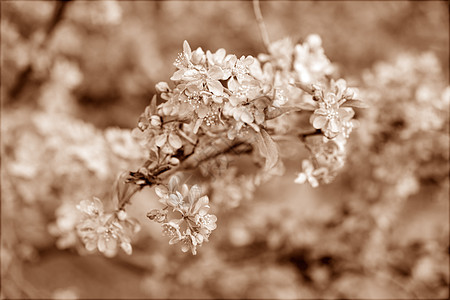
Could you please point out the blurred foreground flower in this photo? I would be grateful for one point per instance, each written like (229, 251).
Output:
(105, 231)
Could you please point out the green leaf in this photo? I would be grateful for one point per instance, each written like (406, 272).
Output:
(355, 103)
(267, 148)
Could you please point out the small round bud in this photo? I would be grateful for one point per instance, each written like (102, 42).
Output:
(121, 215)
(314, 41)
(155, 121)
(162, 87)
(174, 161)
(142, 126)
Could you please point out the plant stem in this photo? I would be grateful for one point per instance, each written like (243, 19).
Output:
(261, 24)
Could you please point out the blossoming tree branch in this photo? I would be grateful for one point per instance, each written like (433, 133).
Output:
(218, 107)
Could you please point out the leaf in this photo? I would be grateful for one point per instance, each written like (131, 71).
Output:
(306, 87)
(261, 102)
(308, 106)
(267, 148)
(275, 113)
(187, 50)
(153, 106)
(355, 103)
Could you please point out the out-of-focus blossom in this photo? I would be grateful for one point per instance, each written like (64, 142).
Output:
(310, 61)
(105, 231)
(308, 174)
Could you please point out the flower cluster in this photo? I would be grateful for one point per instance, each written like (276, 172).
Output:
(219, 92)
(193, 225)
(219, 106)
(330, 115)
(327, 158)
(105, 231)
(333, 116)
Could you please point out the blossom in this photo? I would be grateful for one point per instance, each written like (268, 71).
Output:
(194, 72)
(308, 174)
(195, 224)
(240, 67)
(330, 117)
(280, 53)
(168, 141)
(310, 62)
(105, 231)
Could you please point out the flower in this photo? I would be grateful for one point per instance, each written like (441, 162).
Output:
(308, 174)
(194, 72)
(105, 231)
(168, 141)
(240, 68)
(280, 53)
(310, 63)
(195, 224)
(330, 117)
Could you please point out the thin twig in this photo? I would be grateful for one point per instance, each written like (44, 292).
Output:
(261, 24)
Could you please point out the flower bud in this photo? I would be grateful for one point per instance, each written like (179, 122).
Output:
(162, 87)
(174, 161)
(155, 121)
(314, 41)
(121, 215)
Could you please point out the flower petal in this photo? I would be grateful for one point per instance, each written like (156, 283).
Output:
(161, 140)
(175, 141)
(126, 247)
(215, 73)
(318, 121)
(194, 193)
(197, 125)
(201, 203)
(301, 178)
(173, 200)
(233, 84)
(246, 117)
(333, 125)
(177, 75)
(174, 182)
(215, 87)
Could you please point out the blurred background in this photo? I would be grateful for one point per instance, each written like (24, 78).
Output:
(75, 77)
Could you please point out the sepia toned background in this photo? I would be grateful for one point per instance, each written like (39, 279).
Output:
(73, 74)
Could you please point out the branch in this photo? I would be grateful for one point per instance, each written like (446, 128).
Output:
(220, 146)
(261, 24)
(26, 73)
